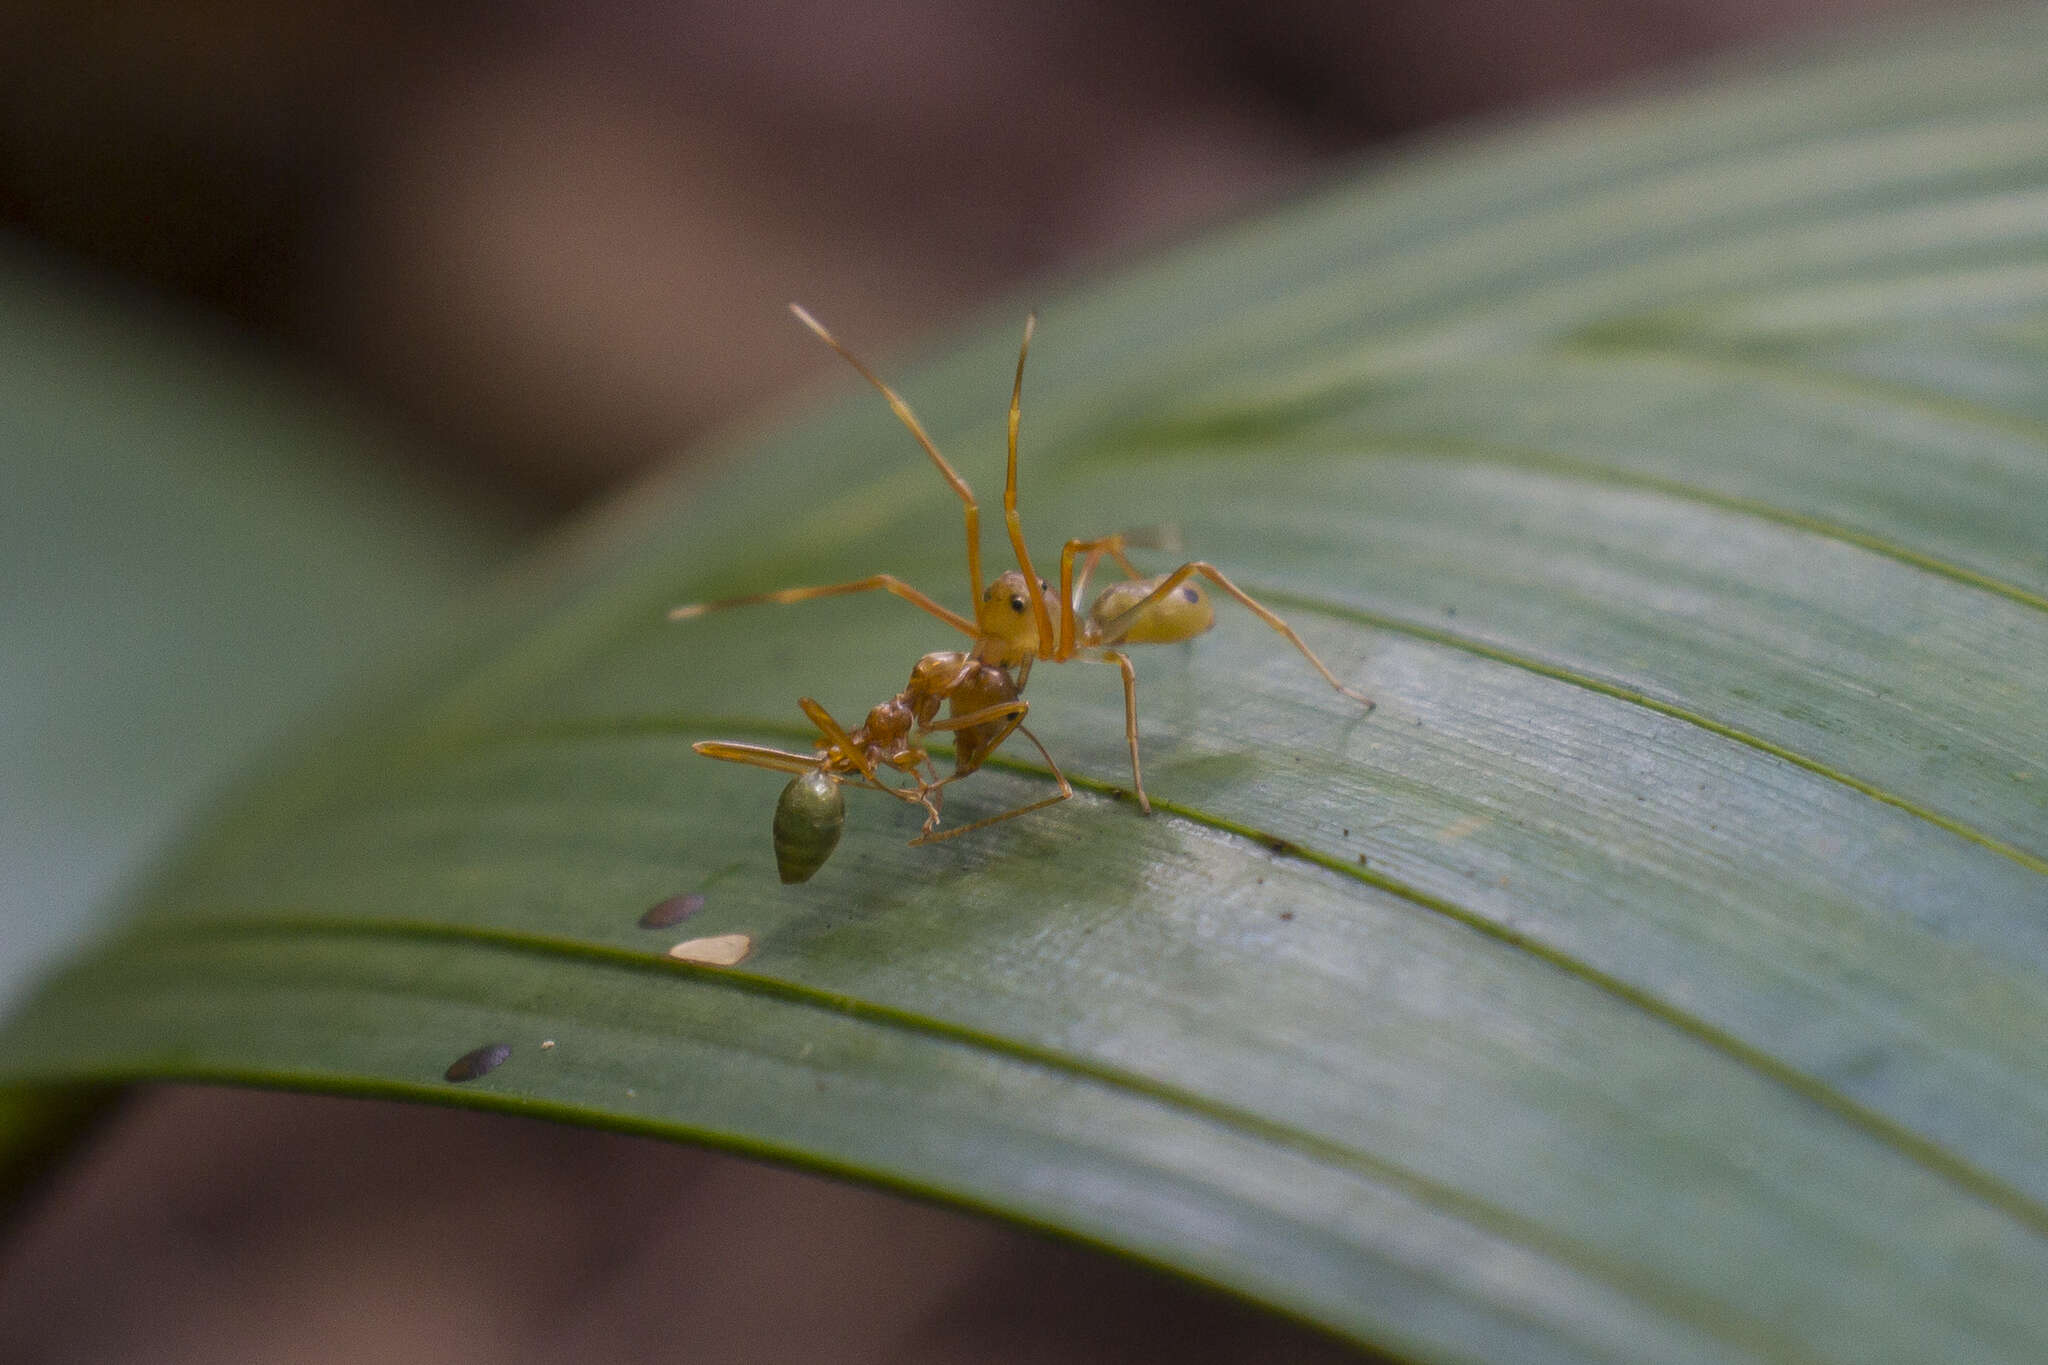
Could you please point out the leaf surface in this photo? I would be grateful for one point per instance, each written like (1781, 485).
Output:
(1657, 973)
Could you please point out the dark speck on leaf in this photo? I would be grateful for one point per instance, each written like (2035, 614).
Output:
(481, 1062)
(1361, 860)
(1280, 846)
(1287, 914)
(674, 910)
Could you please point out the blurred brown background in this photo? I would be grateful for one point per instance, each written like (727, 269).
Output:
(556, 239)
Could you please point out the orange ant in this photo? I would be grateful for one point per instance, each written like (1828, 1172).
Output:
(986, 710)
(1013, 627)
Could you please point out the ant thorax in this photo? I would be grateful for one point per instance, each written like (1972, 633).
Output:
(885, 733)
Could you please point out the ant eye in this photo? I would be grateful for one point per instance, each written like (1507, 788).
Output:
(1017, 604)
(1043, 585)
(1191, 594)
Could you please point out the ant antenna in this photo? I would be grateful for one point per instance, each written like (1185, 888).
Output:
(909, 419)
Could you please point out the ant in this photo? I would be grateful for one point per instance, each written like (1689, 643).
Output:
(1013, 626)
(986, 710)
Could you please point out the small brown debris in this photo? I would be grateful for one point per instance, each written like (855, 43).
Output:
(674, 910)
(480, 1062)
(718, 950)
(1463, 827)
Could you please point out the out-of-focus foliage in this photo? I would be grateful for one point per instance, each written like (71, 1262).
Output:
(195, 552)
(1658, 973)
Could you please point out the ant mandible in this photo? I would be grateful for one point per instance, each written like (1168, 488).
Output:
(1013, 627)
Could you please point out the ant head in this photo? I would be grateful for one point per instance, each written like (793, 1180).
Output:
(1009, 628)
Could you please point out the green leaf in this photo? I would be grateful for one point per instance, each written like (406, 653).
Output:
(195, 552)
(1657, 973)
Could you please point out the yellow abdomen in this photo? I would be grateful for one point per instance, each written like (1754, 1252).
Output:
(1119, 618)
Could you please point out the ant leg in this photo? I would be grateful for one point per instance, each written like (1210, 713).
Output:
(1041, 617)
(1064, 792)
(835, 735)
(917, 765)
(1008, 714)
(1075, 587)
(782, 761)
(1002, 710)
(909, 419)
(837, 738)
(979, 733)
(1072, 587)
(1110, 656)
(1215, 575)
(888, 583)
(757, 755)
(923, 797)
(933, 798)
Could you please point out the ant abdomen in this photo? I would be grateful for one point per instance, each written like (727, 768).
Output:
(808, 820)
